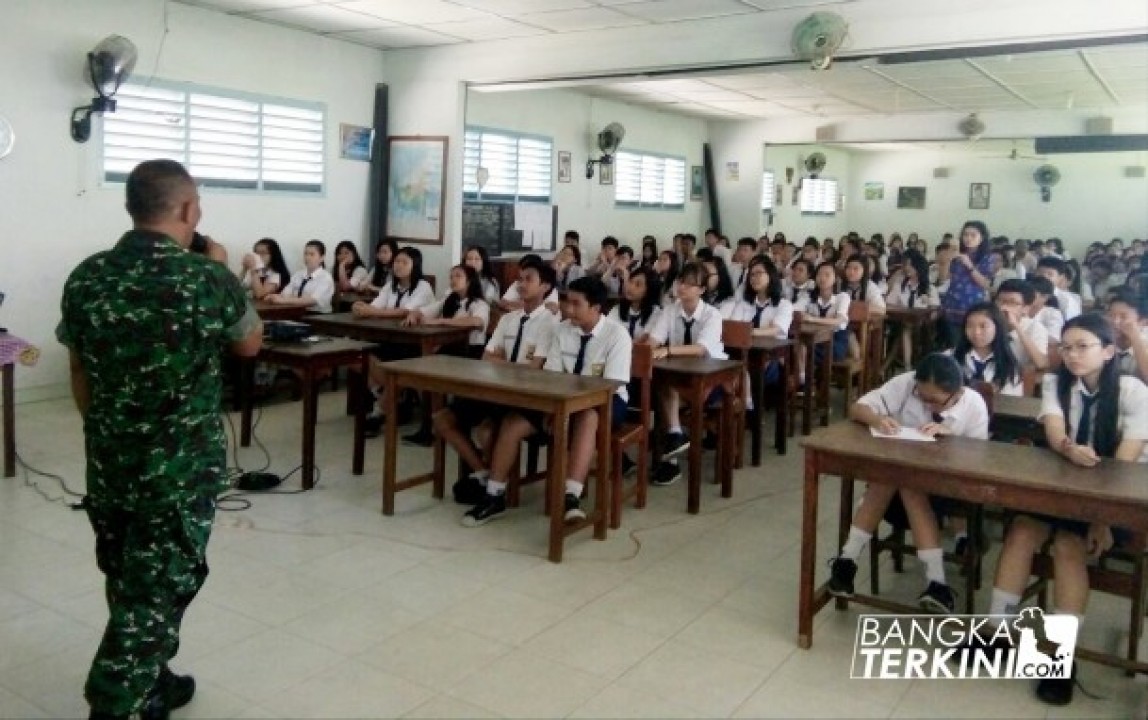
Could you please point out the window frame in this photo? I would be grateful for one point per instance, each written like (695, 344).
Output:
(219, 185)
(836, 197)
(639, 205)
(771, 195)
(479, 195)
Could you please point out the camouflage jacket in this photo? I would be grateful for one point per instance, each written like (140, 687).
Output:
(150, 322)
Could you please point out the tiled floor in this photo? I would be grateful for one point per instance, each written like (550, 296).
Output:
(318, 606)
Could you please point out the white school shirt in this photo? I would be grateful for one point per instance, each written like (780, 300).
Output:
(472, 308)
(1015, 387)
(726, 308)
(780, 315)
(392, 299)
(873, 296)
(1069, 303)
(490, 291)
(607, 353)
(511, 295)
(800, 298)
(1036, 332)
(640, 328)
(1126, 359)
(540, 325)
(1002, 275)
(359, 277)
(968, 417)
(738, 274)
(706, 330)
(320, 287)
(721, 251)
(266, 274)
(1132, 412)
(835, 307)
(902, 295)
(1053, 321)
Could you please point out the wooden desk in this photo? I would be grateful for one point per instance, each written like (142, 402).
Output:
(976, 471)
(557, 394)
(761, 353)
(310, 359)
(344, 300)
(428, 338)
(271, 311)
(8, 371)
(919, 323)
(694, 378)
(1016, 417)
(810, 337)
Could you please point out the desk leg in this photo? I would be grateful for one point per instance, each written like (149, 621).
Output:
(808, 553)
(391, 444)
(310, 407)
(780, 431)
(728, 440)
(697, 432)
(356, 391)
(823, 392)
(757, 363)
(556, 477)
(246, 399)
(810, 383)
(601, 476)
(9, 381)
(844, 520)
(438, 448)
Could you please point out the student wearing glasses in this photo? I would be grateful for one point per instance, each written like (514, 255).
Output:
(1027, 337)
(934, 400)
(1089, 411)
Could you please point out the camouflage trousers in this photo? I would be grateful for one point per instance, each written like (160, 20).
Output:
(154, 565)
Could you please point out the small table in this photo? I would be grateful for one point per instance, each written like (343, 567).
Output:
(976, 471)
(271, 311)
(556, 394)
(428, 338)
(811, 336)
(694, 378)
(310, 358)
(1017, 417)
(763, 351)
(918, 322)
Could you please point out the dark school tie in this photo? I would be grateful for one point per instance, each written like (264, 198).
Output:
(688, 335)
(399, 298)
(581, 359)
(518, 339)
(303, 285)
(979, 368)
(938, 418)
(824, 310)
(757, 316)
(1084, 430)
(796, 292)
(634, 324)
(741, 280)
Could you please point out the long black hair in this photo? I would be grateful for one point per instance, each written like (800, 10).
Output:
(1006, 368)
(453, 302)
(861, 292)
(1105, 435)
(982, 249)
(836, 280)
(417, 276)
(356, 261)
(650, 300)
(487, 272)
(380, 273)
(671, 275)
(724, 290)
(278, 264)
(774, 289)
(920, 264)
(649, 242)
(941, 370)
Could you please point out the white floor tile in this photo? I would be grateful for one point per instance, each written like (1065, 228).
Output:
(524, 685)
(351, 689)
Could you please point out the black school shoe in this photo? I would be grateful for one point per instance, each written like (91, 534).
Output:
(842, 571)
(490, 507)
(1057, 691)
(572, 508)
(666, 473)
(468, 491)
(420, 438)
(676, 444)
(938, 598)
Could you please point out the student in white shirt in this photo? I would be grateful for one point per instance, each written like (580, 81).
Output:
(668, 267)
(739, 268)
(264, 269)
(617, 275)
(1056, 271)
(350, 273)
(1045, 309)
(463, 306)
(568, 266)
(312, 287)
(381, 272)
(604, 263)
(521, 337)
(828, 307)
(933, 400)
(639, 307)
(1130, 324)
(719, 287)
(407, 290)
(761, 303)
(714, 242)
(799, 287)
(589, 344)
(687, 328)
(984, 353)
(1027, 337)
(511, 299)
(860, 285)
(910, 287)
(1089, 411)
(478, 258)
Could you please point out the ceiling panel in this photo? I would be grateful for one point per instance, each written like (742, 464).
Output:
(595, 18)
(242, 6)
(674, 10)
(321, 18)
(399, 36)
(494, 28)
(414, 13)
(512, 8)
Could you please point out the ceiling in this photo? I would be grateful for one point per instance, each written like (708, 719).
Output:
(1095, 79)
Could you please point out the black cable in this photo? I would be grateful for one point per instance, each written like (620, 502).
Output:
(62, 499)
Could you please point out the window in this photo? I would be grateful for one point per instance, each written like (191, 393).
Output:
(517, 166)
(224, 139)
(649, 181)
(768, 191)
(818, 196)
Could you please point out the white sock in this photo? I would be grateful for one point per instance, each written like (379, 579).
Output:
(934, 559)
(493, 487)
(855, 543)
(676, 430)
(1004, 603)
(376, 412)
(573, 487)
(482, 476)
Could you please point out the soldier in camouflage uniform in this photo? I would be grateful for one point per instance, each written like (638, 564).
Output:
(146, 323)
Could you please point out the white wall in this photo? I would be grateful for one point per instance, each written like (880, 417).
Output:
(787, 216)
(571, 119)
(55, 209)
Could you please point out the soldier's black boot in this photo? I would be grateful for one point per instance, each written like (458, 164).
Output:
(177, 690)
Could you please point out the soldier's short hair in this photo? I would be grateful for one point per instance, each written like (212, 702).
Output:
(155, 187)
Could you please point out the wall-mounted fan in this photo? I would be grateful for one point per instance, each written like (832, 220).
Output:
(818, 37)
(1046, 176)
(608, 141)
(814, 164)
(972, 127)
(108, 65)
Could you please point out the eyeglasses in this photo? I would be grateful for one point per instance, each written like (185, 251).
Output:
(933, 402)
(1077, 349)
(759, 273)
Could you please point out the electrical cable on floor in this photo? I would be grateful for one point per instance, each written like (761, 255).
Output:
(67, 491)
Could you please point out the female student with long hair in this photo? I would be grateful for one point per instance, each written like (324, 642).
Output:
(668, 266)
(264, 269)
(761, 303)
(985, 353)
(312, 287)
(830, 306)
(407, 289)
(858, 282)
(910, 288)
(799, 287)
(350, 273)
(649, 251)
(478, 258)
(381, 272)
(1089, 411)
(464, 306)
(969, 279)
(568, 266)
(640, 303)
(719, 287)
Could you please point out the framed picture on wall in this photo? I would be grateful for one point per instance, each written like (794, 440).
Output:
(697, 181)
(416, 187)
(606, 174)
(911, 198)
(979, 196)
(564, 166)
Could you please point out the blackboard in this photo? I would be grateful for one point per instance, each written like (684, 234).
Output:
(487, 224)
